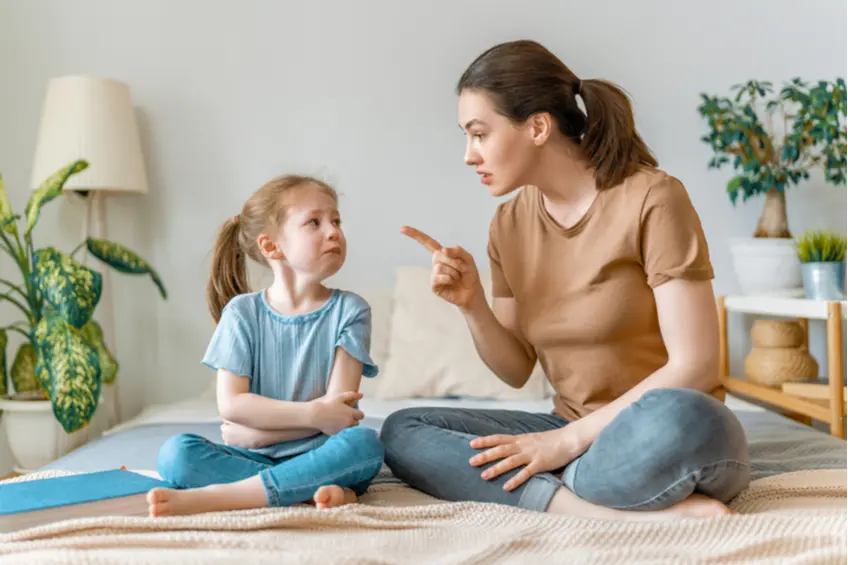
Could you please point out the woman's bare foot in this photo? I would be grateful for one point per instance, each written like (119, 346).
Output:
(699, 506)
(215, 498)
(331, 496)
(696, 506)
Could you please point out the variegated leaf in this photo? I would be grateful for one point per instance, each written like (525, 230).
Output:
(7, 216)
(4, 339)
(49, 189)
(43, 377)
(71, 368)
(67, 285)
(123, 260)
(23, 369)
(93, 334)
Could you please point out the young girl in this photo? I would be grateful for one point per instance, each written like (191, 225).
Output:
(289, 360)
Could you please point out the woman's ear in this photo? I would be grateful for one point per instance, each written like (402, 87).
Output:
(269, 248)
(540, 127)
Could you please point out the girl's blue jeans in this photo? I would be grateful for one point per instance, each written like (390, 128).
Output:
(350, 459)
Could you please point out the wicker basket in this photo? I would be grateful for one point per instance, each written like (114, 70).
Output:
(779, 354)
(777, 333)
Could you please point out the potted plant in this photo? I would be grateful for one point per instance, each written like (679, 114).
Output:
(822, 256)
(62, 362)
(804, 128)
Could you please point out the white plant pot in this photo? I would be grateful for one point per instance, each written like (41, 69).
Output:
(35, 436)
(767, 266)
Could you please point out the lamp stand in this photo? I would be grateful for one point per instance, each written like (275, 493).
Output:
(94, 225)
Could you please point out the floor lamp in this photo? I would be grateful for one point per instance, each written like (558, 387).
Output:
(93, 119)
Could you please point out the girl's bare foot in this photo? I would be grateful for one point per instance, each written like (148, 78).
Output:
(332, 495)
(696, 506)
(242, 495)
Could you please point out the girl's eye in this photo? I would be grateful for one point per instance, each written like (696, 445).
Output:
(313, 222)
(337, 222)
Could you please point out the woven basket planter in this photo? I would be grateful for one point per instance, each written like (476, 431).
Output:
(779, 354)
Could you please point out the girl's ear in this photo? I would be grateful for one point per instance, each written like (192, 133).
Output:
(269, 248)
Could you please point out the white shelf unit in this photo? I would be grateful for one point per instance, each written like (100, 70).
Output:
(782, 307)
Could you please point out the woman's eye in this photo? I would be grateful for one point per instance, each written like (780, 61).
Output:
(313, 222)
(337, 222)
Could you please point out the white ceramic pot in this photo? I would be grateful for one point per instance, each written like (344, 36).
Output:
(35, 436)
(767, 266)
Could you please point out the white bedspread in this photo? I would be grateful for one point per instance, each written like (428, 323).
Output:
(796, 518)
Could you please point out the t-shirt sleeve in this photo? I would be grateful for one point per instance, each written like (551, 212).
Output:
(230, 346)
(500, 286)
(355, 335)
(673, 241)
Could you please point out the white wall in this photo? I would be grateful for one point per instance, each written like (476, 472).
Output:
(232, 93)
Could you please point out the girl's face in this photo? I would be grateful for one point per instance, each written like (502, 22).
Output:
(501, 151)
(311, 240)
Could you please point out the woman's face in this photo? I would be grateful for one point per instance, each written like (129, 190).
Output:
(501, 151)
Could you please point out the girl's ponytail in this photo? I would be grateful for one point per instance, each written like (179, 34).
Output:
(228, 276)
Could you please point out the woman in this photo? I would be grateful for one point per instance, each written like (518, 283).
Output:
(600, 270)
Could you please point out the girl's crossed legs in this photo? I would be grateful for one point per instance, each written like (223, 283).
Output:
(219, 477)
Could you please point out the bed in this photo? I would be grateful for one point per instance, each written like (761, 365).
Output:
(793, 512)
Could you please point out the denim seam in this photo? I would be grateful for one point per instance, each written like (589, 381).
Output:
(320, 482)
(458, 433)
(686, 477)
(270, 491)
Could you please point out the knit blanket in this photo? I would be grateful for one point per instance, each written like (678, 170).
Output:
(791, 518)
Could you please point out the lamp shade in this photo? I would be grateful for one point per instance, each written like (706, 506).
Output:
(93, 119)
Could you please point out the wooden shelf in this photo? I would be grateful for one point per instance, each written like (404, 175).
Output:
(782, 307)
(828, 403)
(818, 389)
(778, 398)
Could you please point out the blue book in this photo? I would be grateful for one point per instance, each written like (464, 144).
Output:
(104, 493)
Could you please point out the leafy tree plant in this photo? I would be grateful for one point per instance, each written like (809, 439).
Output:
(767, 160)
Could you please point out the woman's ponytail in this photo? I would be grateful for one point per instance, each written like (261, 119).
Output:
(611, 143)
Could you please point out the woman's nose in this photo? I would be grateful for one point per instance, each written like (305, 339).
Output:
(471, 156)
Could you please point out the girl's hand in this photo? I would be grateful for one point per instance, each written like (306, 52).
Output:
(454, 277)
(538, 453)
(242, 436)
(335, 412)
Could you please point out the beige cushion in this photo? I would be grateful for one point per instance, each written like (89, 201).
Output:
(430, 350)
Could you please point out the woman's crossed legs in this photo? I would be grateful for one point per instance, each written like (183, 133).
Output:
(674, 452)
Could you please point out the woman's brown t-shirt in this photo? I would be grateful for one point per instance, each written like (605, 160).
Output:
(584, 293)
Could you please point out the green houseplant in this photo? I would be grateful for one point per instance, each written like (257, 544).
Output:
(773, 141)
(769, 161)
(63, 357)
(822, 256)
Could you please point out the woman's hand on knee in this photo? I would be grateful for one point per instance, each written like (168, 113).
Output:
(537, 453)
(454, 277)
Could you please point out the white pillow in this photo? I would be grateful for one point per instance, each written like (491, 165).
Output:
(431, 352)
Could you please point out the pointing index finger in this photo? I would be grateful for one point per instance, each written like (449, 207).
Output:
(431, 244)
